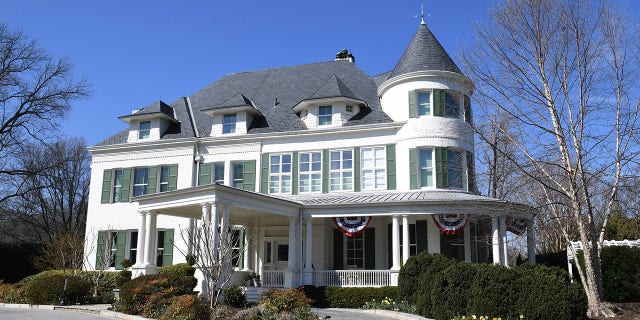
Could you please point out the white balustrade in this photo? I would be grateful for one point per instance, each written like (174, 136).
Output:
(351, 278)
(273, 278)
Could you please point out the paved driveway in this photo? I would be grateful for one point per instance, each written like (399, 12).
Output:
(42, 314)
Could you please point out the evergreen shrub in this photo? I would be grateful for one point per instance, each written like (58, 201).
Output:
(135, 294)
(417, 277)
(621, 274)
(450, 293)
(179, 269)
(49, 289)
(337, 297)
(493, 291)
(235, 297)
(186, 307)
(284, 300)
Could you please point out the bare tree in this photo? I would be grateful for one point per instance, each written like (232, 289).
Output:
(103, 242)
(35, 94)
(564, 71)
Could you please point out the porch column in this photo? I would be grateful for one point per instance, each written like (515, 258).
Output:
(245, 249)
(192, 240)
(503, 242)
(213, 228)
(202, 235)
(138, 268)
(495, 240)
(224, 242)
(150, 244)
(531, 242)
(289, 275)
(467, 243)
(395, 249)
(308, 263)
(405, 239)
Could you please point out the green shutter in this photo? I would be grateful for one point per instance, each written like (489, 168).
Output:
(370, 248)
(389, 246)
(204, 174)
(294, 173)
(468, 117)
(241, 251)
(249, 175)
(413, 168)
(413, 105)
(338, 250)
(421, 236)
(439, 102)
(167, 258)
(102, 238)
(471, 173)
(356, 169)
(106, 186)
(442, 174)
(264, 173)
(173, 177)
(121, 248)
(325, 171)
(126, 185)
(391, 167)
(152, 180)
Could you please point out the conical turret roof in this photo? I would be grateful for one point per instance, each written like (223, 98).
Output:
(424, 53)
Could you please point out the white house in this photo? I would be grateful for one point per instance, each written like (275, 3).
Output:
(325, 175)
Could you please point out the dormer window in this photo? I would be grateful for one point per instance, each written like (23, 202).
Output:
(144, 132)
(349, 109)
(325, 113)
(228, 123)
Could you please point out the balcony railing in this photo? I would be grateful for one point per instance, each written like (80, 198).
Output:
(273, 278)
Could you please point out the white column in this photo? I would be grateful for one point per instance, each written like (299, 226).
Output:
(395, 243)
(405, 239)
(503, 242)
(245, 248)
(467, 243)
(150, 244)
(192, 240)
(292, 243)
(308, 242)
(495, 240)
(213, 228)
(531, 242)
(141, 238)
(433, 237)
(223, 244)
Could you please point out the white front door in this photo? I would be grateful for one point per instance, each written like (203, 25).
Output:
(276, 254)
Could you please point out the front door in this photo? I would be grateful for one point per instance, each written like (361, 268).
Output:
(281, 255)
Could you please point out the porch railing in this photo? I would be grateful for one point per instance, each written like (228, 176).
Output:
(352, 278)
(273, 278)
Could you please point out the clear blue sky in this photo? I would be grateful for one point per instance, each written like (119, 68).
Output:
(134, 53)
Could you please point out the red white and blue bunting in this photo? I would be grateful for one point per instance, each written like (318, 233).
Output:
(450, 223)
(517, 226)
(352, 226)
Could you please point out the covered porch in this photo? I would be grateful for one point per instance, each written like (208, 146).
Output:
(294, 240)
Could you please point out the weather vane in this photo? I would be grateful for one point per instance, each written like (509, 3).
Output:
(422, 12)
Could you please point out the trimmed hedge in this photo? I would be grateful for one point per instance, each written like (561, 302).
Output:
(150, 294)
(106, 284)
(621, 274)
(179, 269)
(49, 290)
(455, 288)
(337, 297)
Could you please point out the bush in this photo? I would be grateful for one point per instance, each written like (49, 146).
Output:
(48, 290)
(450, 294)
(417, 277)
(284, 300)
(106, 283)
(180, 269)
(135, 294)
(12, 293)
(235, 297)
(493, 291)
(123, 277)
(186, 307)
(337, 297)
(621, 274)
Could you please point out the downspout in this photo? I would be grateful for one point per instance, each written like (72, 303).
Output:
(194, 179)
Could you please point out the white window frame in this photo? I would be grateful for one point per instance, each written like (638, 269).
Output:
(144, 130)
(237, 182)
(421, 168)
(137, 184)
(280, 175)
(342, 172)
(132, 246)
(307, 185)
(426, 106)
(163, 179)
(117, 185)
(350, 253)
(374, 168)
(325, 119)
(228, 126)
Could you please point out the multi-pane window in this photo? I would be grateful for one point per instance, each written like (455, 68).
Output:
(341, 170)
(144, 131)
(164, 178)
(374, 168)
(140, 181)
(237, 174)
(424, 102)
(355, 251)
(310, 166)
(324, 115)
(413, 248)
(160, 249)
(452, 105)
(113, 247)
(218, 173)
(454, 168)
(280, 173)
(133, 246)
(229, 123)
(117, 185)
(426, 168)
(349, 109)
(236, 247)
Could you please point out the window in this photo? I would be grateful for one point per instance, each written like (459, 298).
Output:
(355, 252)
(218, 173)
(133, 246)
(140, 181)
(454, 168)
(426, 168)
(267, 252)
(164, 178)
(117, 185)
(282, 252)
(341, 170)
(452, 105)
(374, 168)
(280, 173)
(113, 247)
(160, 249)
(413, 249)
(229, 123)
(424, 103)
(324, 115)
(238, 173)
(349, 109)
(237, 247)
(145, 130)
(310, 166)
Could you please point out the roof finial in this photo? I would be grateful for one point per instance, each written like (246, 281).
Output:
(422, 12)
